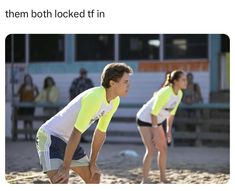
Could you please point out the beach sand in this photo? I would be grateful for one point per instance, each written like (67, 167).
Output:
(186, 165)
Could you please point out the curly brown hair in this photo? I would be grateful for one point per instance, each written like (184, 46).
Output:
(114, 71)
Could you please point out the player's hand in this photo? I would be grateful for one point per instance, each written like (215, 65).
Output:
(62, 175)
(95, 172)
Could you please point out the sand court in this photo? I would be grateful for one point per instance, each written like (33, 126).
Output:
(186, 165)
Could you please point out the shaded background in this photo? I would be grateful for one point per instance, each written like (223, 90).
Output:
(61, 56)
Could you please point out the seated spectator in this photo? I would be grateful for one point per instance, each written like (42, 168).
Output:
(27, 93)
(50, 95)
(193, 92)
(80, 84)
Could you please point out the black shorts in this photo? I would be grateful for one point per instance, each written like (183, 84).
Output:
(146, 124)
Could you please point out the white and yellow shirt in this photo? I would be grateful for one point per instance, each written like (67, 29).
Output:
(81, 112)
(163, 104)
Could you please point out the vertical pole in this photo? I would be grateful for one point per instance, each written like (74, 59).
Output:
(26, 52)
(69, 48)
(214, 46)
(116, 47)
(13, 128)
(12, 66)
(161, 48)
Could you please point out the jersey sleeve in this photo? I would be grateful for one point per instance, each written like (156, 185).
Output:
(89, 106)
(105, 120)
(177, 105)
(161, 99)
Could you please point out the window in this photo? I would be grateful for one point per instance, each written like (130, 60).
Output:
(94, 47)
(19, 48)
(183, 46)
(46, 47)
(139, 46)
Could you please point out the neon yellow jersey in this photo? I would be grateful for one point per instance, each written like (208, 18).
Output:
(81, 112)
(163, 104)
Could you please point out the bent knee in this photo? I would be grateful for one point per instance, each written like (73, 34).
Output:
(150, 152)
(161, 147)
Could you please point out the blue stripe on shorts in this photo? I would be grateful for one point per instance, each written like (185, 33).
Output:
(58, 146)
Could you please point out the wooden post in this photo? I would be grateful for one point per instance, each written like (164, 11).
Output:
(199, 116)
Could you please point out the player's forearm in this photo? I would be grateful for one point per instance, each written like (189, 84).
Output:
(71, 147)
(154, 120)
(97, 142)
(170, 120)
